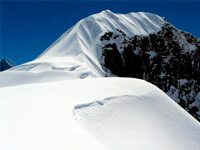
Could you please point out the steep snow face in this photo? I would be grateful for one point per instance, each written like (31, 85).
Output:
(6, 64)
(139, 45)
(76, 54)
(83, 37)
(100, 113)
(94, 114)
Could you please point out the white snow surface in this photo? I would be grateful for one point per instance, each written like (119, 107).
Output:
(99, 113)
(75, 55)
(44, 104)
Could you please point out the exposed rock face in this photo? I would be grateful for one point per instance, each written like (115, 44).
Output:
(6, 64)
(170, 59)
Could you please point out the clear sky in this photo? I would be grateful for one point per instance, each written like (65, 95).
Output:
(28, 28)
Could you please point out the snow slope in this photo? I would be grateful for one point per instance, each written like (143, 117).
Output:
(75, 54)
(94, 113)
(100, 114)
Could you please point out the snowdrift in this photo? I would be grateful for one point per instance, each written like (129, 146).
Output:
(61, 100)
(101, 113)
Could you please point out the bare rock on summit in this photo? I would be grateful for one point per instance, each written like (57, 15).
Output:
(170, 59)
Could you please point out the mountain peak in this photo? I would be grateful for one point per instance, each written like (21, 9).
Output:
(106, 11)
(89, 30)
(80, 47)
(83, 112)
(6, 64)
(140, 45)
(3, 59)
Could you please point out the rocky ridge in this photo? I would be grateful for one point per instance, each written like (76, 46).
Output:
(170, 59)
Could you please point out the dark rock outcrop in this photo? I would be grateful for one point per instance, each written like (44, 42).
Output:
(170, 59)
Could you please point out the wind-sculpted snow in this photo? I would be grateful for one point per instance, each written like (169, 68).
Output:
(94, 114)
(72, 108)
(149, 121)
(78, 47)
(83, 37)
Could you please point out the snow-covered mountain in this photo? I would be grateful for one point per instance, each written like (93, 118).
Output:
(77, 53)
(45, 104)
(169, 58)
(139, 45)
(6, 64)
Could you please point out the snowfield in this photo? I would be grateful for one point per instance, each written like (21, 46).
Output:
(62, 100)
(101, 113)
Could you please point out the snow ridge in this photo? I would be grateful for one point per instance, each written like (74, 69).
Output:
(78, 47)
(94, 113)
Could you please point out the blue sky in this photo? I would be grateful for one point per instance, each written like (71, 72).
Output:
(28, 28)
